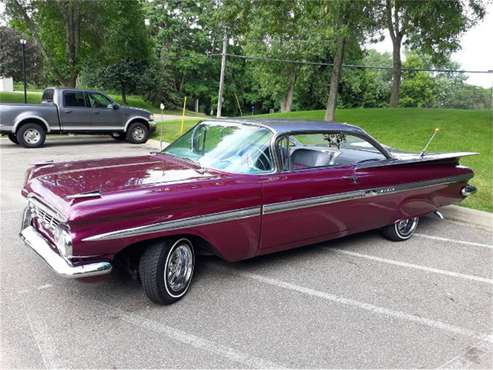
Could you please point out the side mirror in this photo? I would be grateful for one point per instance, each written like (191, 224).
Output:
(114, 106)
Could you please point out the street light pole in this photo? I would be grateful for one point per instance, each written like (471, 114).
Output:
(23, 45)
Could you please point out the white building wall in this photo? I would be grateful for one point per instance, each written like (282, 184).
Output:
(6, 84)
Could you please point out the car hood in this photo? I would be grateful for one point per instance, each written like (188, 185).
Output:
(66, 181)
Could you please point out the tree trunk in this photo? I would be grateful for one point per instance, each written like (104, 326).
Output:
(71, 15)
(287, 101)
(330, 111)
(396, 72)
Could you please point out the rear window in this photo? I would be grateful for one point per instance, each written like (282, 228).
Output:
(74, 99)
(47, 96)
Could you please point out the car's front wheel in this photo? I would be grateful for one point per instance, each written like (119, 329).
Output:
(137, 133)
(31, 135)
(166, 269)
(401, 230)
(13, 138)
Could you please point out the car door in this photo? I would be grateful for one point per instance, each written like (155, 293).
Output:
(105, 114)
(75, 114)
(301, 207)
(321, 192)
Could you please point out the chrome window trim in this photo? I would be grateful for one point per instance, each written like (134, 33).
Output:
(271, 208)
(181, 223)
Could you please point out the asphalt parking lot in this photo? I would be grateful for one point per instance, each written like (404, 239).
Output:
(357, 302)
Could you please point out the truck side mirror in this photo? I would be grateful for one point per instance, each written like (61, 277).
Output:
(114, 106)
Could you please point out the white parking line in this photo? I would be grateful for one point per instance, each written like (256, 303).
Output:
(432, 237)
(365, 306)
(44, 341)
(228, 353)
(413, 266)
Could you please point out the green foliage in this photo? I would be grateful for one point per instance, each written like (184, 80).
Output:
(11, 57)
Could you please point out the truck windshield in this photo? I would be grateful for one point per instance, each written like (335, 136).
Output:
(230, 147)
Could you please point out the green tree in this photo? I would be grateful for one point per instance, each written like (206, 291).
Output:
(11, 57)
(67, 32)
(433, 27)
(126, 49)
(350, 23)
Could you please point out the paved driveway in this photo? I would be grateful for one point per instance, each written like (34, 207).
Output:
(358, 302)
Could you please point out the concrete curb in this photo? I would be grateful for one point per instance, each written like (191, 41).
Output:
(481, 219)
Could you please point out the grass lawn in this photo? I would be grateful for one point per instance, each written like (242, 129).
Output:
(34, 97)
(409, 129)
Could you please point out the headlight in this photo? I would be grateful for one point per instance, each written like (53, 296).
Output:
(151, 117)
(63, 242)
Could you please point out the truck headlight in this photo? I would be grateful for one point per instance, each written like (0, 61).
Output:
(63, 242)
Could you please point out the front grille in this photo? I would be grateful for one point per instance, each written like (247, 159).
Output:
(44, 216)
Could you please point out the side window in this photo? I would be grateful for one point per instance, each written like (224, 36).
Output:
(74, 99)
(325, 150)
(47, 96)
(99, 100)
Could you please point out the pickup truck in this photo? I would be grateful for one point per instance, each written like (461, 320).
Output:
(74, 111)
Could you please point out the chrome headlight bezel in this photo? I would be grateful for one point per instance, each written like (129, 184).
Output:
(63, 241)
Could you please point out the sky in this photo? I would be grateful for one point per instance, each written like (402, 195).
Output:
(476, 52)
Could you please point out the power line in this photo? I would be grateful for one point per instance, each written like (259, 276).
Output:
(359, 66)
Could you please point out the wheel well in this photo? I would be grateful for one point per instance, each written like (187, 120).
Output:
(31, 120)
(128, 258)
(136, 120)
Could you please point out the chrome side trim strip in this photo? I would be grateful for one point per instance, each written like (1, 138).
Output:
(182, 223)
(358, 194)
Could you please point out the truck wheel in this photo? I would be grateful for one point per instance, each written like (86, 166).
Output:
(13, 138)
(31, 135)
(401, 230)
(118, 135)
(137, 133)
(166, 270)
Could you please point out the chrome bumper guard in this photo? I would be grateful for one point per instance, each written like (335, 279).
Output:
(37, 242)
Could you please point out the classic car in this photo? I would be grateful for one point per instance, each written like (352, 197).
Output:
(234, 188)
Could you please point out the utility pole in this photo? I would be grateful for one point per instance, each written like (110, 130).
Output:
(23, 45)
(221, 78)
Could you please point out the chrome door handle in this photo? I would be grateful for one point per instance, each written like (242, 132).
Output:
(353, 178)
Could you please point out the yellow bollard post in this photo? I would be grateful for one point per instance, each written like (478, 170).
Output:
(183, 115)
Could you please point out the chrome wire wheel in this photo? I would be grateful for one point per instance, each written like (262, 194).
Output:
(405, 228)
(32, 136)
(179, 268)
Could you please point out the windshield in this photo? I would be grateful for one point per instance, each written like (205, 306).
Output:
(226, 146)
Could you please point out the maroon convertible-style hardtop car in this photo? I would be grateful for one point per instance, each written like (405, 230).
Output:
(234, 188)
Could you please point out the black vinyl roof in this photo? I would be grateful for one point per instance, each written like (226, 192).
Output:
(281, 126)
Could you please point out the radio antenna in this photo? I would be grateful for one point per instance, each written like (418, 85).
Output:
(423, 152)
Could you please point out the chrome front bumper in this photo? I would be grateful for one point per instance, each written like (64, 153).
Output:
(37, 242)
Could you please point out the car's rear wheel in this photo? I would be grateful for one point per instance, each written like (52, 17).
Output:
(137, 133)
(13, 138)
(401, 230)
(166, 270)
(31, 135)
